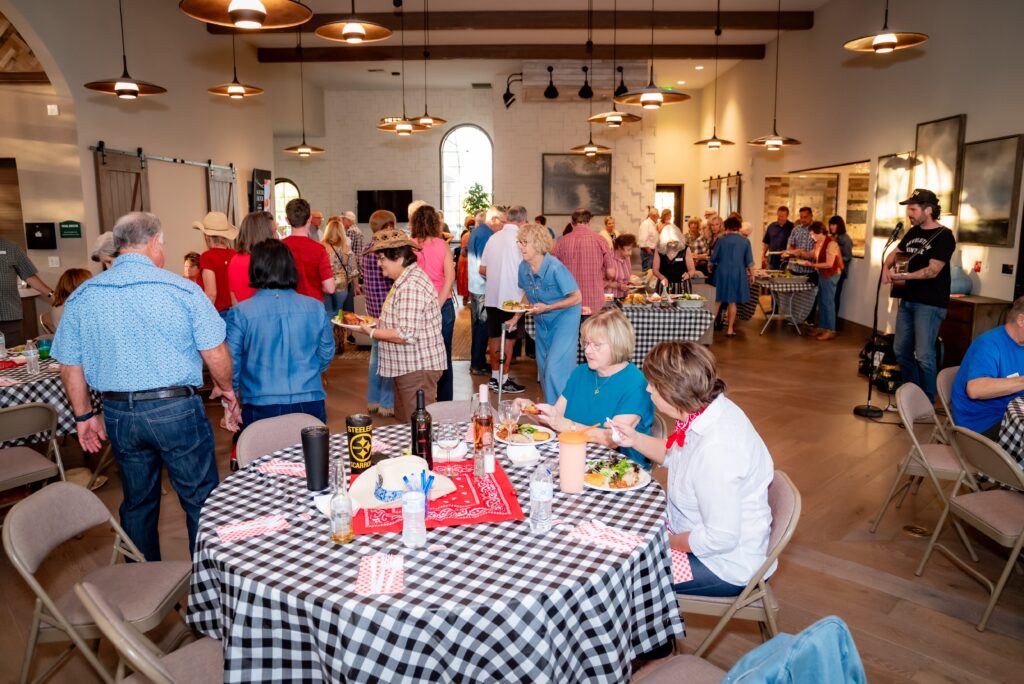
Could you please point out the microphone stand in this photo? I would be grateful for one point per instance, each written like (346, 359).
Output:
(867, 410)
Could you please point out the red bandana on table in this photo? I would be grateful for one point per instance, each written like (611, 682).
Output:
(475, 500)
(679, 436)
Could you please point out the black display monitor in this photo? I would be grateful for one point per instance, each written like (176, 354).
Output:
(395, 201)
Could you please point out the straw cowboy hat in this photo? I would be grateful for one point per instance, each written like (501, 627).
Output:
(216, 224)
(391, 238)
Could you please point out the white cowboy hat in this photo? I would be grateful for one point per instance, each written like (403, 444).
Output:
(382, 486)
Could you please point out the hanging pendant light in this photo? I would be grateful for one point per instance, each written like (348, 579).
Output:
(651, 96)
(586, 92)
(591, 149)
(125, 87)
(235, 90)
(248, 14)
(551, 92)
(615, 118)
(775, 142)
(425, 119)
(622, 89)
(886, 41)
(403, 126)
(303, 149)
(714, 142)
(354, 31)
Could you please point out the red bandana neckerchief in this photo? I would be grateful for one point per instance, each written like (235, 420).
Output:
(679, 436)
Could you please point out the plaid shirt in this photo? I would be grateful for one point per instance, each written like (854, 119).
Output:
(412, 310)
(800, 238)
(13, 263)
(375, 284)
(357, 241)
(697, 245)
(586, 255)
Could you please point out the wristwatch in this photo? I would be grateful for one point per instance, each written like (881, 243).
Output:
(84, 417)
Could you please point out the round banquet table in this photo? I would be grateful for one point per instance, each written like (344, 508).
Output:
(18, 387)
(792, 300)
(486, 602)
(1011, 430)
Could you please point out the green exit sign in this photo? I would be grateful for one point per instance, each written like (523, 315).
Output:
(70, 229)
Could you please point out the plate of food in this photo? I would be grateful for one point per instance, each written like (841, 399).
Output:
(523, 433)
(512, 306)
(635, 299)
(688, 300)
(615, 475)
(354, 321)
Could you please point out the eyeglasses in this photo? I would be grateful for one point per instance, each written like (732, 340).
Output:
(596, 345)
(521, 242)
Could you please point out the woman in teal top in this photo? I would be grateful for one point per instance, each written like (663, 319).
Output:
(555, 298)
(607, 386)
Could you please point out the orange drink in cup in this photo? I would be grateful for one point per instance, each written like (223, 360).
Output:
(572, 461)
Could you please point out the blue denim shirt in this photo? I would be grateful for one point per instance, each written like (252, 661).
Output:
(138, 327)
(823, 653)
(280, 343)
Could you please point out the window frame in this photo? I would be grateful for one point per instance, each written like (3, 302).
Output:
(440, 160)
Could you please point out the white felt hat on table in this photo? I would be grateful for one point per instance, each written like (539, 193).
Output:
(382, 486)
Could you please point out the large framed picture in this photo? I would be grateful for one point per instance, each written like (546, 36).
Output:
(892, 186)
(990, 196)
(573, 181)
(938, 151)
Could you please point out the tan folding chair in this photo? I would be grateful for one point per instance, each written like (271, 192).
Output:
(944, 387)
(271, 434)
(450, 410)
(756, 601)
(22, 465)
(198, 662)
(46, 324)
(997, 513)
(144, 592)
(932, 461)
(683, 668)
(659, 428)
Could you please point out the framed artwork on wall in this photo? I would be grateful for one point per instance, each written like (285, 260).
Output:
(938, 152)
(572, 181)
(990, 194)
(892, 185)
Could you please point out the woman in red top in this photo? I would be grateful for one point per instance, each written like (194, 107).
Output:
(256, 227)
(213, 263)
(462, 269)
(829, 263)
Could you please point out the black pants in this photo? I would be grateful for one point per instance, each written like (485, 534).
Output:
(13, 333)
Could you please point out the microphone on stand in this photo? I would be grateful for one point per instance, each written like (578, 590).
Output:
(896, 232)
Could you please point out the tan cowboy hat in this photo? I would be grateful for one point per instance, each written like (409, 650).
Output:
(216, 224)
(388, 239)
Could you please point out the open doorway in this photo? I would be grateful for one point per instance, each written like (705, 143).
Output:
(670, 197)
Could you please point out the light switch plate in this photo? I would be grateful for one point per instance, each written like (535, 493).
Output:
(52, 110)
(53, 262)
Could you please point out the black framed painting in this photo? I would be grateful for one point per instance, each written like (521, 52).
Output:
(938, 151)
(574, 181)
(892, 185)
(990, 194)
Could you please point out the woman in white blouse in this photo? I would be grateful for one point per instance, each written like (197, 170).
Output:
(719, 470)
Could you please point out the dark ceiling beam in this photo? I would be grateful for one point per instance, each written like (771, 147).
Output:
(562, 19)
(25, 77)
(381, 53)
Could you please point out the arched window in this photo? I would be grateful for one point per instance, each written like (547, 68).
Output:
(285, 190)
(467, 159)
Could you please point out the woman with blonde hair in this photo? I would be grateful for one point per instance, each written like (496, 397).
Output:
(256, 227)
(343, 264)
(554, 297)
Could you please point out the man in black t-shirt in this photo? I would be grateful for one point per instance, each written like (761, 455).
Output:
(925, 293)
(776, 239)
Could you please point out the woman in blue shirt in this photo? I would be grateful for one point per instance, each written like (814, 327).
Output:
(555, 298)
(270, 335)
(607, 386)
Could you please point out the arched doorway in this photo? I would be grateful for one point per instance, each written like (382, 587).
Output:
(467, 159)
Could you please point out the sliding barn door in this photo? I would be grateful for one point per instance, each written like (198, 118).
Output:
(220, 190)
(122, 186)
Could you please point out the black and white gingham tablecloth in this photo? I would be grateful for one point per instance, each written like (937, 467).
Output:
(654, 324)
(791, 300)
(499, 603)
(45, 388)
(1011, 430)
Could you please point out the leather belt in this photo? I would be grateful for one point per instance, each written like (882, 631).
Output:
(151, 395)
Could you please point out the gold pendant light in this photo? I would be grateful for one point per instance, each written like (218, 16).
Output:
(125, 87)
(714, 142)
(248, 14)
(591, 149)
(886, 41)
(775, 142)
(303, 149)
(651, 96)
(614, 118)
(426, 119)
(354, 31)
(403, 126)
(235, 90)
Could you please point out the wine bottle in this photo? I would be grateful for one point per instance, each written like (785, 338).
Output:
(422, 439)
(483, 422)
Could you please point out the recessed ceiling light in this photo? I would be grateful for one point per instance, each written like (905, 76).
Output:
(699, 67)
(680, 82)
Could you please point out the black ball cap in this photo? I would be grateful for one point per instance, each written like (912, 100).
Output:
(921, 196)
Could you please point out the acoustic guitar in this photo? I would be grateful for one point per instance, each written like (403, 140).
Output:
(901, 265)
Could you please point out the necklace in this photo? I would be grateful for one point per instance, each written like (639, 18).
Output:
(597, 387)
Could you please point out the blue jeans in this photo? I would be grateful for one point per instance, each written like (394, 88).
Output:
(827, 302)
(646, 259)
(478, 316)
(334, 302)
(705, 582)
(147, 435)
(444, 385)
(917, 328)
(251, 413)
(380, 391)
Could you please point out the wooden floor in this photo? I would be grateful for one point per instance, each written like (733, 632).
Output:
(799, 393)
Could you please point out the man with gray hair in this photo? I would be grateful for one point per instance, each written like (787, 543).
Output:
(139, 335)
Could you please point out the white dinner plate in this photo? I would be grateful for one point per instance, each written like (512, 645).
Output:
(353, 327)
(645, 479)
(551, 432)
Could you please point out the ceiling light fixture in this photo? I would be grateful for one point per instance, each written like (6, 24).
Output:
(403, 126)
(425, 119)
(714, 142)
(303, 149)
(615, 118)
(248, 14)
(586, 92)
(551, 92)
(622, 89)
(591, 149)
(235, 90)
(125, 87)
(886, 41)
(651, 96)
(509, 97)
(355, 31)
(775, 142)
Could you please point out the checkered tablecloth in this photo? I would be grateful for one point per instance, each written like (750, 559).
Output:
(1011, 430)
(790, 300)
(496, 603)
(45, 388)
(654, 324)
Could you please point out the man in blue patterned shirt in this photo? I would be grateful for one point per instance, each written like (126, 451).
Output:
(139, 335)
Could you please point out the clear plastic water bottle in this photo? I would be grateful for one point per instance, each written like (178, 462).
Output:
(414, 520)
(32, 358)
(542, 491)
(3, 346)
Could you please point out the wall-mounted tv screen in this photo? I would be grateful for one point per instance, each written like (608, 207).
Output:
(396, 201)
